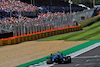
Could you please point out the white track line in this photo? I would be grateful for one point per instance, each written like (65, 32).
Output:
(43, 64)
(88, 57)
(84, 50)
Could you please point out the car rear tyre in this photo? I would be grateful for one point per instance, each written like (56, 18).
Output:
(69, 59)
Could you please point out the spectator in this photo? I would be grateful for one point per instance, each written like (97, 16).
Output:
(14, 5)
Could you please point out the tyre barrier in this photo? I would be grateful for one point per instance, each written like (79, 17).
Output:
(6, 35)
(38, 35)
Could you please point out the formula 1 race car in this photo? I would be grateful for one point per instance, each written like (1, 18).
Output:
(58, 58)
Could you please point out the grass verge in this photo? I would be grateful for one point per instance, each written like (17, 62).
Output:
(91, 32)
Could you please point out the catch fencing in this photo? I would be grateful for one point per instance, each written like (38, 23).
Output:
(83, 15)
(43, 24)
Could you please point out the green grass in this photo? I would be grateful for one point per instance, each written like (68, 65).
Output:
(97, 37)
(91, 32)
(61, 37)
(97, 24)
(86, 34)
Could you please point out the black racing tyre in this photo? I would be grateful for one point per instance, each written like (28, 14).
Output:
(49, 61)
(65, 60)
(69, 59)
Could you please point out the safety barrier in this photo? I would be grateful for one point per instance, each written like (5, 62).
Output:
(6, 35)
(38, 35)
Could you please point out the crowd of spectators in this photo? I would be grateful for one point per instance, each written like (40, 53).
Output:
(41, 17)
(57, 19)
(16, 5)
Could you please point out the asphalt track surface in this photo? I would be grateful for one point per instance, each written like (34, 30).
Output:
(88, 59)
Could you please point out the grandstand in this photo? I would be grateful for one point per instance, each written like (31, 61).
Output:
(13, 7)
(16, 6)
(19, 17)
